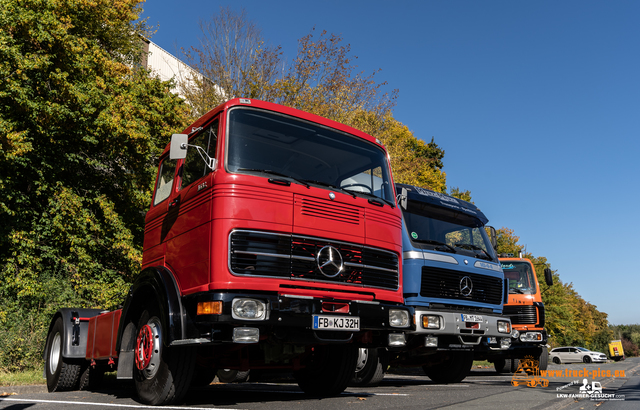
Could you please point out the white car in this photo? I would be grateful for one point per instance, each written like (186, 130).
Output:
(576, 355)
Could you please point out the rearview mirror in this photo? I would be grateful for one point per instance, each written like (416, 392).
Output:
(178, 149)
(548, 276)
(493, 237)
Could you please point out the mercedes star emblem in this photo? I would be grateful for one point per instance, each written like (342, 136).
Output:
(330, 261)
(466, 286)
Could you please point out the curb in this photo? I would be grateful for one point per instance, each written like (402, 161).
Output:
(28, 389)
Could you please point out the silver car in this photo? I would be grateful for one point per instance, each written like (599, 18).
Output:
(576, 355)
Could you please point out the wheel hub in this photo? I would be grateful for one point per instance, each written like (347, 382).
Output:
(148, 346)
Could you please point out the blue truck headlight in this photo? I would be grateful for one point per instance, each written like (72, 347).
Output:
(504, 326)
(505, 343)
(431, 321)
(248, 309)
(398, 318)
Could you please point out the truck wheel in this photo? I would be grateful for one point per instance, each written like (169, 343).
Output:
(162, 374)
(453, 370)
(328, 370)
(233, 376)
(544, 359)
(501, 366)
(369, 369)
(62, 374)
(203, 376)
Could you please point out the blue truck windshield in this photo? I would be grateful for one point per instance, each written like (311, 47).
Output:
(443, 229)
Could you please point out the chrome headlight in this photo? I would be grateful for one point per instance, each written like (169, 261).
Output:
(431, 322)
(248, 309)
(398, 318)
(531, 337)
(504, 326)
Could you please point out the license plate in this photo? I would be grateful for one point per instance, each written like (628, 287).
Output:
(471, 318)
(326, 322)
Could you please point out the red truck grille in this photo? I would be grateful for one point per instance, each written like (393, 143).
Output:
(296, 257)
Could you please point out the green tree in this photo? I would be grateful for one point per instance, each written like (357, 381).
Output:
(80, 132)
(236, 61)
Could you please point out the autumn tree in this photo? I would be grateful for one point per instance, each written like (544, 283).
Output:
(236, 61)
(80, 132)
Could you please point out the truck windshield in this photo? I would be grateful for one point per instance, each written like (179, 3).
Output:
(445, 230)
(520, 277)
(263, 142)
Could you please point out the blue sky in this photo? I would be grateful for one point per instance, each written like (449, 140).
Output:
(536, 104)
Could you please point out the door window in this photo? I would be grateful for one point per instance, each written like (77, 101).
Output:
(165, 180)
(195, 165)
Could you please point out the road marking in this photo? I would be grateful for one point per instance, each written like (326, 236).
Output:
(135, 406)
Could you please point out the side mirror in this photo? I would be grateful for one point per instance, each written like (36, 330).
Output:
(493, 237)
(403, 199)
(178, 149)
(548, 277)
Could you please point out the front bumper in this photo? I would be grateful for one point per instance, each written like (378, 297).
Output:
(459, 331)
(290, 319)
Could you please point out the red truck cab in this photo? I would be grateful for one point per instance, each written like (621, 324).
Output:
(273, 241)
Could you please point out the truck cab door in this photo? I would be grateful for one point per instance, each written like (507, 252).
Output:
(188, 238)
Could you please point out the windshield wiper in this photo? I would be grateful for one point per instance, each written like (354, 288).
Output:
(514, 290)
(448, 248)
(328, 185)
(391, 204)
(276, 173)
(483, 254)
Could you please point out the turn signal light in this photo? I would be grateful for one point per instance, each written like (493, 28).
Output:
(210, 308)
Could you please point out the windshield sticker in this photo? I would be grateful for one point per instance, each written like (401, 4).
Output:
(414, 235)
(507, 266)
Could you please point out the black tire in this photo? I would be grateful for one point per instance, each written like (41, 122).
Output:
(203, 376)
(328, 370)
(369, 368)
(501, 366)
(162, 374)
(233, 376)
(91, 377)
(556, 360)
(62, 374)
(453, 370)
(586, 359)
(543, 360)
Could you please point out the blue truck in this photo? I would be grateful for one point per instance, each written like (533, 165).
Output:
(453, 285)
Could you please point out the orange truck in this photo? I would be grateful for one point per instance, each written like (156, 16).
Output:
(525, 309)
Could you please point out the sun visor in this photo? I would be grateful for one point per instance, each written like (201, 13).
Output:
(433, 198)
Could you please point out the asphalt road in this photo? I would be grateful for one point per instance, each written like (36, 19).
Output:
(483, 389)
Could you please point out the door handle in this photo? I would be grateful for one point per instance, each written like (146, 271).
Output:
(174, 203)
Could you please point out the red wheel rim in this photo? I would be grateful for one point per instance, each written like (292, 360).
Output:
(144, 347)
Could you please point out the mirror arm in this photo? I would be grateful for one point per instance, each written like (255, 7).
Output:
(210, 162)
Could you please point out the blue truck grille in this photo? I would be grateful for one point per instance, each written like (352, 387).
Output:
(445, 284)
(294, 257)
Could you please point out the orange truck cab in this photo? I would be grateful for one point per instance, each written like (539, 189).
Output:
(273, 241)
(525, 309)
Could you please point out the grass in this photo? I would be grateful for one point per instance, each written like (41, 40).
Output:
(481, 363)
(21, 378)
